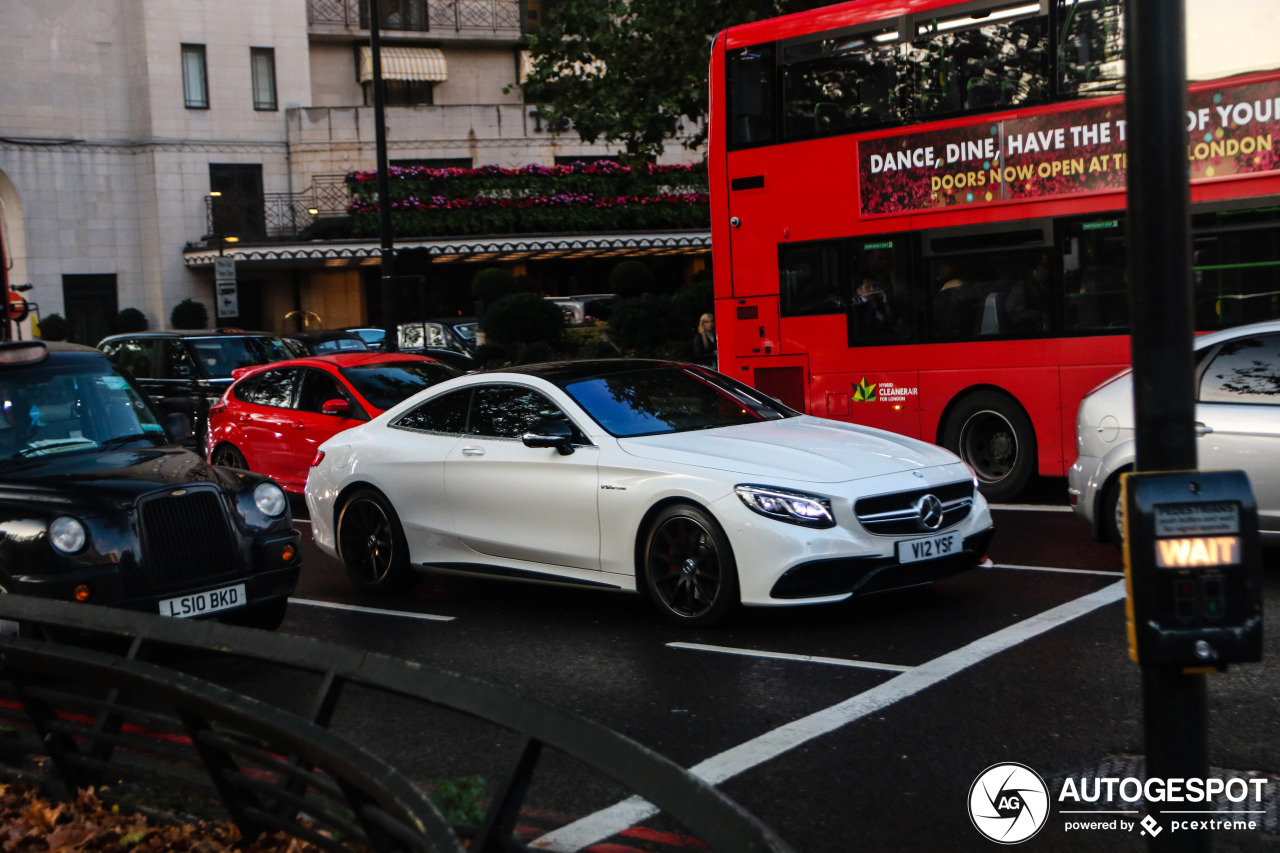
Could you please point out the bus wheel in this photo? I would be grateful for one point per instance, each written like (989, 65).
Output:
(994, 435)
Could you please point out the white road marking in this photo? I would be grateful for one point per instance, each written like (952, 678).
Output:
(717, 769)
(1031, 507)
(1112, 573)
(862, 664)
(429, 617)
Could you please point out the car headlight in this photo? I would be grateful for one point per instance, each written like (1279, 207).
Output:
(270, 499)
(783, 505)
(68, 535)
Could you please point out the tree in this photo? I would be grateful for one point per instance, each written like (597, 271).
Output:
(189, 314)
(130, 320)
(634, 71)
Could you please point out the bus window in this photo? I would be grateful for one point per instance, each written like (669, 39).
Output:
(1237, 272)
(883, 307)
(970, 63)
(1095, 292)
(749, 92)
(836, 85)
(1090, 55)
(809, 280)
(992, 294)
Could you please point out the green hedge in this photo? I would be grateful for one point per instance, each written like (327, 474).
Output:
(602, 196)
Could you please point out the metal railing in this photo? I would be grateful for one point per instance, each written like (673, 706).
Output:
(277, 216)
(420, 15)
(99, 709)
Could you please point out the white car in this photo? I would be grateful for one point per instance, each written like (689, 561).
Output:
(1237, 426)
(642, 476)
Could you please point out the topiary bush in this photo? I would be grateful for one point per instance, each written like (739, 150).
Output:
(189, 314)
(649, 325)
(490, 355)
(522, 318)
(130, 320)
(54, 328)
(631, 278)
(693, 300)
(491, 284)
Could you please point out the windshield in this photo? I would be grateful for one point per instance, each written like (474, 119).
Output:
(386, 384)
(669, 398)
(218, 356)
(77, 406)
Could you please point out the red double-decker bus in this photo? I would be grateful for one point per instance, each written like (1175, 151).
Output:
(918, 212)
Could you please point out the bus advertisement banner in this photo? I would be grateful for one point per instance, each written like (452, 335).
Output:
(1231, 130)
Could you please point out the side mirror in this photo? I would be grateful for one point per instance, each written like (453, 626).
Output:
(178, 425)
(336, 407)
(550, 433)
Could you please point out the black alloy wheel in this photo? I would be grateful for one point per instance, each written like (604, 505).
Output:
(994, 436)
(372, 545)
(228, 456)
(689, 570)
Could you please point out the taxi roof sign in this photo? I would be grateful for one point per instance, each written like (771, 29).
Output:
(23, 352)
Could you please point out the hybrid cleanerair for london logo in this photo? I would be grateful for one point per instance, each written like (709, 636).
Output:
(1008, 803)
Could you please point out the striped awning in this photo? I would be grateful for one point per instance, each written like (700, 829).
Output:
(405, 63)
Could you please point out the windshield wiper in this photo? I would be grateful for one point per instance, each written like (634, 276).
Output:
(120, 440)
(36, 450)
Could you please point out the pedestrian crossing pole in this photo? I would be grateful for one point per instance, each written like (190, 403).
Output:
(1159, 264)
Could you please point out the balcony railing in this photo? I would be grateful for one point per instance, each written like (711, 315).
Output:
(279, 216)
(420, 15)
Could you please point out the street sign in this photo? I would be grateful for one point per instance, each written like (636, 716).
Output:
(224, 276)
(16, 307)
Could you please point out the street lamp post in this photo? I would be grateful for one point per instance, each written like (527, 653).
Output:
(388, 257)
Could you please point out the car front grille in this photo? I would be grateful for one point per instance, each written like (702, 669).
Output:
(186, 538)
(897, 514)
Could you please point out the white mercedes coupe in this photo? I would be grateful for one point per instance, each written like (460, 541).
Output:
(642, 476)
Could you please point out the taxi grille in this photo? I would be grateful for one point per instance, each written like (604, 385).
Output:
(186, 538)
(896, 514)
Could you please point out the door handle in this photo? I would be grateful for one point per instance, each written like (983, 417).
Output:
(1201, 429)
(243, 418)
(299, 426)
(473, 451)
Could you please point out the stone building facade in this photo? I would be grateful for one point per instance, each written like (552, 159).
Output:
(120, 118)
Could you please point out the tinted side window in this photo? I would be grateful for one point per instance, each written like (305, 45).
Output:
(447, 414)
(1244, 371)
(319, 387)
(178, 363)
(139, 357)
(271, 388)
(508, 411)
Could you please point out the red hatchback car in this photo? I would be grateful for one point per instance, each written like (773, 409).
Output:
(273, 417)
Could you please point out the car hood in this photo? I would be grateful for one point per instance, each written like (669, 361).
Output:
(802, 448)
(110, 480)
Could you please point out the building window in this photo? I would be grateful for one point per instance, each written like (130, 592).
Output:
(397, 15)
(400, 93)
(195, 77)
(263, 62)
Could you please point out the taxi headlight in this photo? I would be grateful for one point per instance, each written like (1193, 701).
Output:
(788, 506)
(270, 499)
(68, 535)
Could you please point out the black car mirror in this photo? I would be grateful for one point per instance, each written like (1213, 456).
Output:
(178, 425)
(550, 433)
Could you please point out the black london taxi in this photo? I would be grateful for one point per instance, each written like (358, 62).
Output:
(98, 504)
